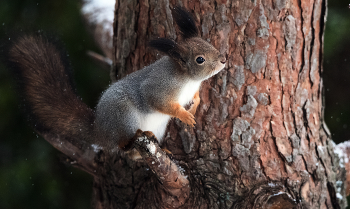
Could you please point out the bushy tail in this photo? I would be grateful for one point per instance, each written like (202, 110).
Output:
(46, 83)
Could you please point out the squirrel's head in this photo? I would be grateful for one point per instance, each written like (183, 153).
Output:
(199, 59)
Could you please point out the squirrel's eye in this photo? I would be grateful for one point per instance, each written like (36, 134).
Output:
(200, 60)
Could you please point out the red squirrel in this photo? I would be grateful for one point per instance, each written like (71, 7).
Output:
(145, 99)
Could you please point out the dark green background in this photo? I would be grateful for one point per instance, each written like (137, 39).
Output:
(31, 175)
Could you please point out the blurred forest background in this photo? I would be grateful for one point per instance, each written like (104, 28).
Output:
(31, 174)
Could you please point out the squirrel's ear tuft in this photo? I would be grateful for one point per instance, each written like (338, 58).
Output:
(163, 44)
(170, 48)
(186, 23)
(167, 46)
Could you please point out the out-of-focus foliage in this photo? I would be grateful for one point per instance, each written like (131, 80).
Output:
(31, 174)
(336, 73)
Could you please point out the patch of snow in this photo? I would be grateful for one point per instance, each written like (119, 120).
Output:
(338, 185)
(280, 192)
(340, 150)
(152, 148)
(101, 12)
(339, 196)
(272, 184)
(96, 147)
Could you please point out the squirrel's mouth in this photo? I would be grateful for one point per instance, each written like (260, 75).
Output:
(217, 69)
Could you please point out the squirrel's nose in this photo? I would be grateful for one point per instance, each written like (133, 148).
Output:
(222, 59)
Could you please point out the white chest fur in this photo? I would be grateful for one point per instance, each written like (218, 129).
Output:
(187, 92)
(155, 122)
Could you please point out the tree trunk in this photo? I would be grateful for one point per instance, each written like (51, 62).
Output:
(260, 140)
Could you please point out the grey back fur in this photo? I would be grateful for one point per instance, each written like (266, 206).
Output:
(124, 105)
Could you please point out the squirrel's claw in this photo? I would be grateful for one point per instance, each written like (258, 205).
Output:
(187, 118)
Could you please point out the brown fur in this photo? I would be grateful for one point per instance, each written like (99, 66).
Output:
(132, 103)
(47, 88)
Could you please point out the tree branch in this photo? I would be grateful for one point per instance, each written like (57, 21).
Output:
(170, 175)
(79, 155)
(104, 62)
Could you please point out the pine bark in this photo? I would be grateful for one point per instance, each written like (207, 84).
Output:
(260, 140)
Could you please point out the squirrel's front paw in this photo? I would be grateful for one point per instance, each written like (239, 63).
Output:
(187, 118)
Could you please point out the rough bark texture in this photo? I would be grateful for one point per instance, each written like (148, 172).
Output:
(260, 140)
(260, 137)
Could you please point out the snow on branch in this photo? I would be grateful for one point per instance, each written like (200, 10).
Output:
(343, 151)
